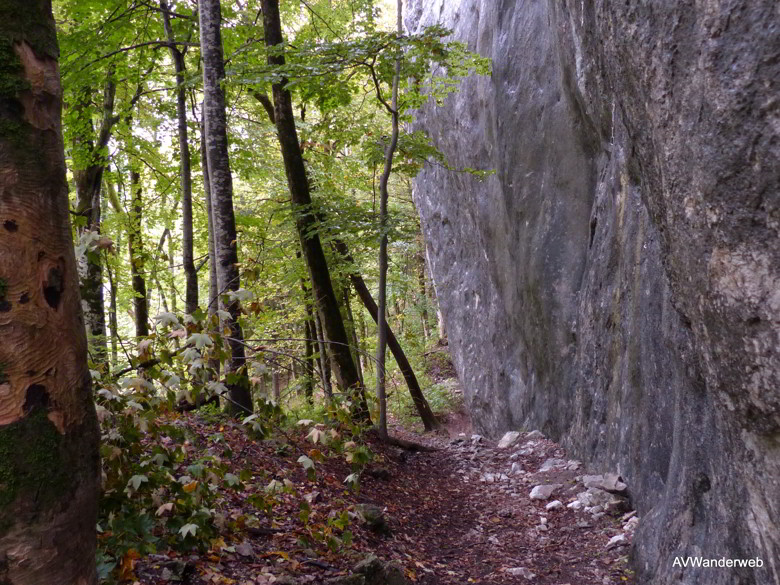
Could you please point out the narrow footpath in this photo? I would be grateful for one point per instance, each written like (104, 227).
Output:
(516, 512)
(471, 511)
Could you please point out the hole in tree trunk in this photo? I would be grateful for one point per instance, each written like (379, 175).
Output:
(37, 397)
(53, 287)
(10, 225)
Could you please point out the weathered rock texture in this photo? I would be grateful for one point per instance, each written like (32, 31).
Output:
(616, 283)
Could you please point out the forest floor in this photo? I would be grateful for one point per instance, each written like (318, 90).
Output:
(459, 514)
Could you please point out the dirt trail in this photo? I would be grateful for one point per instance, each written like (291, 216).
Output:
(475, 522)
(460, 514)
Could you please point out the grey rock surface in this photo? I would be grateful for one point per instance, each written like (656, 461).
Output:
(616, 282)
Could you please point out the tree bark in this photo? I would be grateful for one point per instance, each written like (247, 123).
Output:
(225, 238)
(112, 317)
(420, 403)
(213, 282)
(88, 192)
(298, 183)
(310, 336)
(383, 197)
(185, 171)
(324, 357)
(135, 248)
(353, 334)
(423, 295)
(49, 465)
(276, 382)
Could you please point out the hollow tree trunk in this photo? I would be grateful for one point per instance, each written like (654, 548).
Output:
(185, 172)
(298, 183)
(420, 403)
(225, 243)
(49, 466)
(135, 248)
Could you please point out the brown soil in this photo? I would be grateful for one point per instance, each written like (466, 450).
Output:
(448, 527)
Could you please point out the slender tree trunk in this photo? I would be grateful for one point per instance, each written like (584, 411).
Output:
(225, 238)
(213, 282)
(423, 296)
(298, 182)
(88, 192)
(276, 384)
(310, 335)
(420, 403)
(185, 172)
(49, 465)
(135, 247)
(324, 357)
(383, 197)
(353, 334)
(367, 363)
(112, 318)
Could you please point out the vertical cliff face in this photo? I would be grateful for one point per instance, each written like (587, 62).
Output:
(616, 283)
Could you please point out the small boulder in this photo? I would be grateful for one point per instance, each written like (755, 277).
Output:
(617, 540)
(521, 572)
(508, 439)
(554, 505)
(377, 572)
(534, 436)
(373, 517)
(543, 492)
(631, 525)
(609, 482)
(552, 464)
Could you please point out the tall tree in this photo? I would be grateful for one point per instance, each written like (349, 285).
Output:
(49, 467)
(383, 197)
(305, 220)
(185, 172)
(221, 183)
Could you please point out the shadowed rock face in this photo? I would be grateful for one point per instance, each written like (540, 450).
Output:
(616, 283)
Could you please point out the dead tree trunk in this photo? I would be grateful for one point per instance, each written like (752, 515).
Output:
(49, 465)
(420, 403)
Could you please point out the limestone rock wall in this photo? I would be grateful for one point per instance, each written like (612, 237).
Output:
(616, 282)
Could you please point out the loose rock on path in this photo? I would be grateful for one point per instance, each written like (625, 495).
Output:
(477, 521)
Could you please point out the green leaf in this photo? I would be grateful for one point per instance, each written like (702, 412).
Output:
(188, 530)
(136, 481)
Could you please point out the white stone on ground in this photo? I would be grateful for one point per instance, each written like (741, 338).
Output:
(543, 492)
(508, 439)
